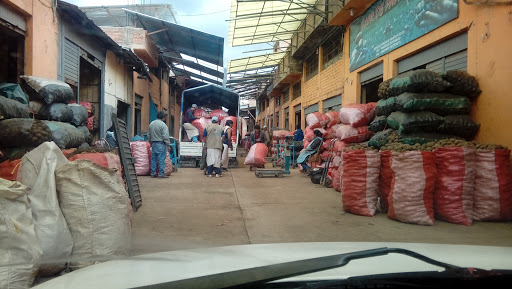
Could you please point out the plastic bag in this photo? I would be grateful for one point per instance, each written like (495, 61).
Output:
(97, 211)
(378, 124)
(56, 112)
(309, 134)
(420, 121)
(256, 155)
(412, 187)
(316, 120)
(37, 172)
(48, 90)
(455, 184)
(141, 153)
(357, 114)
(329, 133)
(421, 80)
(20, 252)
(80, 114)
(12, 109)
(438, 103)
(360, 182)
(23, 132)
(459, 125)
(493, 186)
(349, 134)
(336, 179)
(334, 118)
(234, 129)
(65, 135)
(462, 83)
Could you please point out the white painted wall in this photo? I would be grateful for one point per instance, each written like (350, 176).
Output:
(118, 81)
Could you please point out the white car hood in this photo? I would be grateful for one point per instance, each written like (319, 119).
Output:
(151, 269)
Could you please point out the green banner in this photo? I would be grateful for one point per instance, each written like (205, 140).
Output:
(389, 24)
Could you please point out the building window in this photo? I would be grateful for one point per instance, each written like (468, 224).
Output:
(277, 119)
(286, 119)
(296, 90)
(278, 101)
(333, 48)
(286, 94)
(311, 65)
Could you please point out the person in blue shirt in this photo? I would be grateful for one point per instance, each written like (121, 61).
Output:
(299, 135)
(312, 148)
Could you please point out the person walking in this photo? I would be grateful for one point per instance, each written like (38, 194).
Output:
(158, 137)
(213, 139)
(227, 144)
(188, 117)
(312, 148)
(257, 136)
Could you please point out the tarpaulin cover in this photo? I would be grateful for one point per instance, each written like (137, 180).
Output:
(360, 182)
(357, 114)
(350, 134)
(493, 186)
(412, 187)
(201, 124)
(256, 155)
(219, 113)
(201, 113)
(455, 184)
(142, 154)
(419, 121)
(386, 176)
(334, 118)
(317, 120)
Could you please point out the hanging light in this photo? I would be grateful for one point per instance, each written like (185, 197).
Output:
(351, 12)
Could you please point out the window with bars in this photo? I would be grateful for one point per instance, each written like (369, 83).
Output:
(311, 65)
(296, 90)
(332, 49)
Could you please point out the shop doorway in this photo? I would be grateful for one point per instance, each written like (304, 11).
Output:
(12, 48)
(90, 89)
(369, 90)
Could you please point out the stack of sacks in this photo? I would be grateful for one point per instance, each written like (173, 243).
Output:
(201, 124)
(205, 116)
(355, 119)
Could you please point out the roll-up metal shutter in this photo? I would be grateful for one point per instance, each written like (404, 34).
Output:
(10, 15)
(372, 73)
(297, 108)
(444, 49)
(457, 61)
(333, 101)
(311, 108)
(71, 62)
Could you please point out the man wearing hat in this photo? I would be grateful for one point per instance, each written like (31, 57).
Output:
(213, 139)
(188, 117)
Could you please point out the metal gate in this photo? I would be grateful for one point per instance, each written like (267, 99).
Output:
(127, 162)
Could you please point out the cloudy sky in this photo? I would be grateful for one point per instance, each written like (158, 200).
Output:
(204, 15)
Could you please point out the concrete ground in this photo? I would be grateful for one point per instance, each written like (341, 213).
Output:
(189, 210)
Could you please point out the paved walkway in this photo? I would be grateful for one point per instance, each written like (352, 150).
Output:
(189, 210)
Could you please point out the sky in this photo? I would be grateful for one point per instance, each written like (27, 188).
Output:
(208, 16)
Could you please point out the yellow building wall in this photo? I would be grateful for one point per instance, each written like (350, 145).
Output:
(489, 29)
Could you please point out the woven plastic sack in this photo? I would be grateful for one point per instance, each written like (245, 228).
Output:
(201, 113)
(9, 169)
(56, 112)
(316, 120)
(20, 252)
(256, 155)
(421, 80)
(455, 184)
(336, 180)
(201, 124)
(106, 160)
(386, 176)
(12, 109)
(65, 135)
(141, 153)
(97, 211)
(412, 187)
(462, 83)
(334, 118)
(438, 103)
(48, 90)
(37, 172)
(459, 125)
(378, 124)
(420, 121)
(309, 134)
(360, 182)
(493, 186)
(219, 113)
(349, 134)
(23, 132)
(90, 107)
(80, 114)
(357, 114)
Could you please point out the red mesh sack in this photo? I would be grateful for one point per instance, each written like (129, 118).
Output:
(168, 165)
(219, 113)
(233, 129)
(256, 155)
(9, 169)
(455, 184)
(329, 133)
(306, 143)
(412, 187)
(324, 155)
(336, 180)
(386, 176)
(201, 113)
(357, 114)
(493, 186)
(92, 124)
(334, 118)
(316, 120)
(360, 182)
(142, 155)
(201, 124)
(349, 134)
(280, 134)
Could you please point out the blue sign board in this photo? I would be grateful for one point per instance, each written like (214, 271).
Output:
(389, 24)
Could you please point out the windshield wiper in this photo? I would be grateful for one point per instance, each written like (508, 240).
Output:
(260, 275)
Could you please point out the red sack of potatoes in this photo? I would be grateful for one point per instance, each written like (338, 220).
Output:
(317, 120)
(256, 155)
(357, 114)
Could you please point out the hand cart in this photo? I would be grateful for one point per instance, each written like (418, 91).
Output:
(279, 149)
(260, 173)
(328, 162)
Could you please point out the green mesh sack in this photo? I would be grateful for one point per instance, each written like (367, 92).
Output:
(385, 107)
(459, 125)
(438, 103)
(420, 121)
(380, 139)
(421, 80)
(378, 124)
(462, 83)
(423, 137)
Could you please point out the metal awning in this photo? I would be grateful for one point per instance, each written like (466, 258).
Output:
(211, 93)
(255, 62)
(115, 15)
(259, 21)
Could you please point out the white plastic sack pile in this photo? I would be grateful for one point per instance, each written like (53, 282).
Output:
(20, 252)
(97, 211)
(37, 172)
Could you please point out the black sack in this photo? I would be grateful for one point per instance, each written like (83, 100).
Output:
(48, 90)
(56, 112)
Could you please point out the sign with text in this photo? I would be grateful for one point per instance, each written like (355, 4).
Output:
(389, 24)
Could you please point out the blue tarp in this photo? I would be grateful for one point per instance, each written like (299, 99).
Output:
(152, 110)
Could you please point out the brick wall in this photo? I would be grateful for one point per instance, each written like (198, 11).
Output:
(325, 84)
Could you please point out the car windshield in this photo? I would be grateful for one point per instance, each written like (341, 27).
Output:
(166, 141)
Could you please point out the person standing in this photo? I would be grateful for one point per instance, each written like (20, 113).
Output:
(269, 141)
(258, 136)
(312, 148)
(227, 143)
(188, 117)
(213, 135)
(159, 139)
